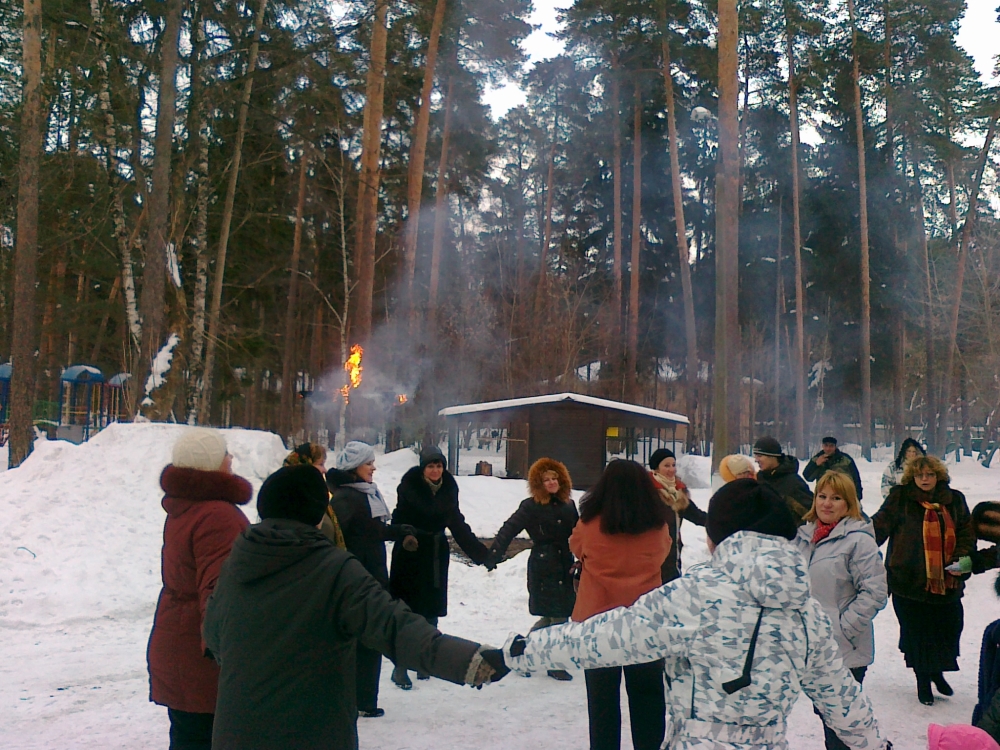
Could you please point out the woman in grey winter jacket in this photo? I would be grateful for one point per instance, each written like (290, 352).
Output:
(741, 636)
(846, 573)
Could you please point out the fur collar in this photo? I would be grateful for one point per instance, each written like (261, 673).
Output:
(198, 485)
(415, 486)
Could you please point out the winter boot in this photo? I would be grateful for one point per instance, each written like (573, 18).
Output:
(423, 676)
(373, 714)
(560, 674)
(924, 694)
(942, 686)
(401, 679)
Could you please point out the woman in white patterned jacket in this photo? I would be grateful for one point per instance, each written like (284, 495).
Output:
(741, 636)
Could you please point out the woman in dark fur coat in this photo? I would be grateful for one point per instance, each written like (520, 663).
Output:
(427, 500)
(549, 516)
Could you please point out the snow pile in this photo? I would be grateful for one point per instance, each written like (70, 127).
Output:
(83, 524)
(695, 471)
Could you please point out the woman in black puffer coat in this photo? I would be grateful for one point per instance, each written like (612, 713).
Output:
(427, 501)
(549, 516)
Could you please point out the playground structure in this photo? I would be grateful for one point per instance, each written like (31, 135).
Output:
(80, 396)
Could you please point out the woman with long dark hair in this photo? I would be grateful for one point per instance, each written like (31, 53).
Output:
(928, 527)
(893, 474)
(622, 540)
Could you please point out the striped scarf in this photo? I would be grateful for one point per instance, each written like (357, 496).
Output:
(937, 549)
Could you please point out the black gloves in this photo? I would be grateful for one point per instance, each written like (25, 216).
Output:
(492, 560)
(494, 657)
(517, 646)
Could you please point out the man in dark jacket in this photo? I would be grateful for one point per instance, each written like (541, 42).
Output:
(282, 624)
(831, 457)
(781, 472)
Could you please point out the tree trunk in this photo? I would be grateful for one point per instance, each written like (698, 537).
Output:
(418, 152)
(114, 183)
(726, 405)
(440, 211)
(547, 232)
(152, 302)
(956, 304)
(287, 361)
(22, 392)
(95, 353)
(367, 209)
(616, 168)
(799, 360)
(930, 398)
(632, 357)
(205, 406)
(779, 305)
(866, 304)
(680, 230)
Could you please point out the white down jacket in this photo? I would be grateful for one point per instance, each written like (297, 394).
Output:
(847, 577)
(702, 624)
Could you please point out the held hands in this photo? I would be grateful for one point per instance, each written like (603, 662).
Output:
(410, 543)
(491, 561)
(487, 666)
(960, 567)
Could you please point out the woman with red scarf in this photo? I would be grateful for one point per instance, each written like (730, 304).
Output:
(928, 526)
(846, 574)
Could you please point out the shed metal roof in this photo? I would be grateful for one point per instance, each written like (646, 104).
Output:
(553, 398)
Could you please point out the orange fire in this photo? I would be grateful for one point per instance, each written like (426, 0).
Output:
(353, 368)
(401, 398)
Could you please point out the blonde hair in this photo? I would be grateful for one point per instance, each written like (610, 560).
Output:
(840, 484)
(917, 465)
(316, 455)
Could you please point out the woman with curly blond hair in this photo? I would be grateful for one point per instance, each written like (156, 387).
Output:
(549, 517)
(314, 454)
(928, 526)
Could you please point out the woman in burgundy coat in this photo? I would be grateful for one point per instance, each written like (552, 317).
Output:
(201, 495)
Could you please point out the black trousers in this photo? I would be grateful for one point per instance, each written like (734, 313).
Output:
(646, 704)
(368, 669)
(190, 731)
(833, 742)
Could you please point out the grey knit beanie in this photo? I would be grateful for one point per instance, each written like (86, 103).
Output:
(354, 454)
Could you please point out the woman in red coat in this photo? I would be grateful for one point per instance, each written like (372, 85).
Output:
(201, 495)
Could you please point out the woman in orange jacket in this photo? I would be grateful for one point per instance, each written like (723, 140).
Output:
(622, 540)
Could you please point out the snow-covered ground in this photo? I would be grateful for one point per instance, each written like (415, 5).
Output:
(79, 575)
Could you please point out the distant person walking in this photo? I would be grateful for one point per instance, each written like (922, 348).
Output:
(364, 519)
(549, 516)
(674, 493)
(846, 573)
(832, 458)
(203, 521)
(622, 539)
(313, 454)
(928, 526)
(427, 500)
(893, 474)
(781, 473)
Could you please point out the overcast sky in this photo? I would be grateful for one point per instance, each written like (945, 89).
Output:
(980, 36)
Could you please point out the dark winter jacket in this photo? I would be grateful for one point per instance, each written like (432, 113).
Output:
(785, 480)
(900, 520)
(549, 525)
(283, 624)
(838, 461)
(202, 523)
(671, 568)
(365, 536)
(420, 578)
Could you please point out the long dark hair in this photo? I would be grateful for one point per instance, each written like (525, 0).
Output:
(906, 444)
(625, 499)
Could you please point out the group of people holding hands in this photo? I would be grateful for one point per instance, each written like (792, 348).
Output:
(286, 637)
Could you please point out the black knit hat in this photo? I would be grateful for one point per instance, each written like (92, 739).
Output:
(432, 455)
(830, 440)
(768, 446)
(658, 456)
(746, 505)
(297, 493)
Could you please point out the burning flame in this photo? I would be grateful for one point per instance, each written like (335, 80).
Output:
(401, 398)
(353, 369)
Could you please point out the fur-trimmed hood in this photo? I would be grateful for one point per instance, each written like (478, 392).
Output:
(537, 486)
(195, 485)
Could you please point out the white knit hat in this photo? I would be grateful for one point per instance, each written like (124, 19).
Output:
(354, 454)
(199, 448)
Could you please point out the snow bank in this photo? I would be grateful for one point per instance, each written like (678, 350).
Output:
(695, 471)
(83, 524)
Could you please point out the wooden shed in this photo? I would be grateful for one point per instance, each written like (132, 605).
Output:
(581, 431)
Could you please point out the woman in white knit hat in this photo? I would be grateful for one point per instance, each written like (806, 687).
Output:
(201, 495)
(365, 521)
